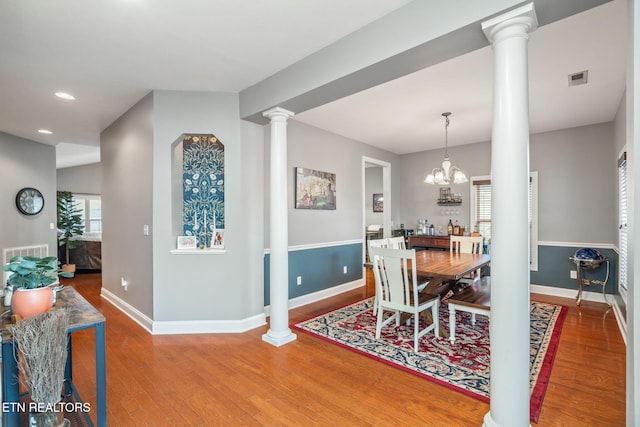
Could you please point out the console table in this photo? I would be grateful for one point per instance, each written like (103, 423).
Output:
(429, 242)
(82, 315)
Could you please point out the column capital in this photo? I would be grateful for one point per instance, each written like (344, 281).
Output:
(521, 21)
(278, 113)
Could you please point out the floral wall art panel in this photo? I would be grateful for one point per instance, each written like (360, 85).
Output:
(203, 189)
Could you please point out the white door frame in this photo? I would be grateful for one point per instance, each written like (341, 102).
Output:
(386, 192)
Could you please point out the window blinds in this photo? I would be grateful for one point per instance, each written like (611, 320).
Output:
(482, 189)
(623, 217)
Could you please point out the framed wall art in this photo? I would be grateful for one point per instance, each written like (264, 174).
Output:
(378, 202)
(315, 189)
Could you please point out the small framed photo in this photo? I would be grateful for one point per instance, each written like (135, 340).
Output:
(187, 242)
(378, 202)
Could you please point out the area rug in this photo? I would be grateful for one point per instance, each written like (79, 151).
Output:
(463, 366)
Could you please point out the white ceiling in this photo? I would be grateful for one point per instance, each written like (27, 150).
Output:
(110, 53)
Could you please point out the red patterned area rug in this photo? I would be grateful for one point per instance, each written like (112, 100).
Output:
(463, 366)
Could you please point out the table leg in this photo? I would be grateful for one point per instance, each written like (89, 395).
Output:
(580, 283)
(68, 370)
(452, 323)
(10, 385)
(101, 376)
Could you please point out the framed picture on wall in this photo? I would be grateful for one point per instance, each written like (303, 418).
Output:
(315, 189)
(378, 202)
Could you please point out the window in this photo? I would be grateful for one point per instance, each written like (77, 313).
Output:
(622, 225)
(481, 211)
(90, 206)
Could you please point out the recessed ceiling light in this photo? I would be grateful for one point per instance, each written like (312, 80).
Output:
(45, 131)
(65, 95)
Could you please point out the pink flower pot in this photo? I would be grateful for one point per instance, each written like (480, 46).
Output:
(28, 302)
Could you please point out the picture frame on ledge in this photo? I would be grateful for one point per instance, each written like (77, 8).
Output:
(187, 242)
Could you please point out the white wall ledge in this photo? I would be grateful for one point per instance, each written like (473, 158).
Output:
(207, 251)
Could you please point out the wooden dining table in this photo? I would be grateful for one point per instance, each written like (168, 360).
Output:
(445, 268)
(445, 265)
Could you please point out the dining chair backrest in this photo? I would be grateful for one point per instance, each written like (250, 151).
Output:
(466, 244)
(397, 242)
(396, 279)
(378, 243)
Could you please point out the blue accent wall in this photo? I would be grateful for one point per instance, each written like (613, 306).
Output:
(554, 266)
(320, 268)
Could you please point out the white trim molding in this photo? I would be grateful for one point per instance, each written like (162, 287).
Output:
(320, 245)
(578, 245)
(132, 312)
(187, 326)
(320, 295)
(208, 326)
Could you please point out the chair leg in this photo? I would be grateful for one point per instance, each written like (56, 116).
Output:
(416, 331)
(379, 323)
(375, 304)
(435, 310)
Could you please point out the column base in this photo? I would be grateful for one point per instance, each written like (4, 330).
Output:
(278, 339)
(488, 421)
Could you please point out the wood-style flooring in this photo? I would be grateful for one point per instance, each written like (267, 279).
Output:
(239, 380)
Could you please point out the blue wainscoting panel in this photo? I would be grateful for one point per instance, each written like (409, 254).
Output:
(320, 268)
(554, 266)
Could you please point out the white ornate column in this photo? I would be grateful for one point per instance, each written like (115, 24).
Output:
(509, 326)
(279, 332)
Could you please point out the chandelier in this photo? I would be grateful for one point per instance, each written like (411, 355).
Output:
(447, 173)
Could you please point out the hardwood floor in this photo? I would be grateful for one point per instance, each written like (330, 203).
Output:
(237, 379)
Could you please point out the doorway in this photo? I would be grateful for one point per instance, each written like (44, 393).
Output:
(376, 184)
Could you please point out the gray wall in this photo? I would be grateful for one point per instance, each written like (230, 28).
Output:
(85, 179)
(314, 148)
(208, 287)
(419, 200)
(576, 183)
(24, 163)
(126, 152)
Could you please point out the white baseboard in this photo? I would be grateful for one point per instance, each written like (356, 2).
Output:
(622, 322)
(132, 312)
(569, 293)
(320, 295)
(209, 326)
(187, 326)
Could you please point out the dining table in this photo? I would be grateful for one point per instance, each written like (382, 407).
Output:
(448, 266)
(445, 268)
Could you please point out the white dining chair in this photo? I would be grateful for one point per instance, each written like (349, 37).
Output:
(399, 243)
(399, 292)
(467, 245)
(376, 243)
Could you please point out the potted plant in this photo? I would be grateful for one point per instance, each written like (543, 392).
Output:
(30, 283)
(43, 344)
(70, 224)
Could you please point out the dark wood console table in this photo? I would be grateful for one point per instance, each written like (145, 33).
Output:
(82, 315)
(429, 242)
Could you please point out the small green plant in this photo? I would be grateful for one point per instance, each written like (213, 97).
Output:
(33, 272)
(69, 222)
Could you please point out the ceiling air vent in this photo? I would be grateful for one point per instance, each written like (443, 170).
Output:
(580, 78)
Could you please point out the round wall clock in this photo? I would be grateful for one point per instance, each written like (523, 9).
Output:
(29, 201)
